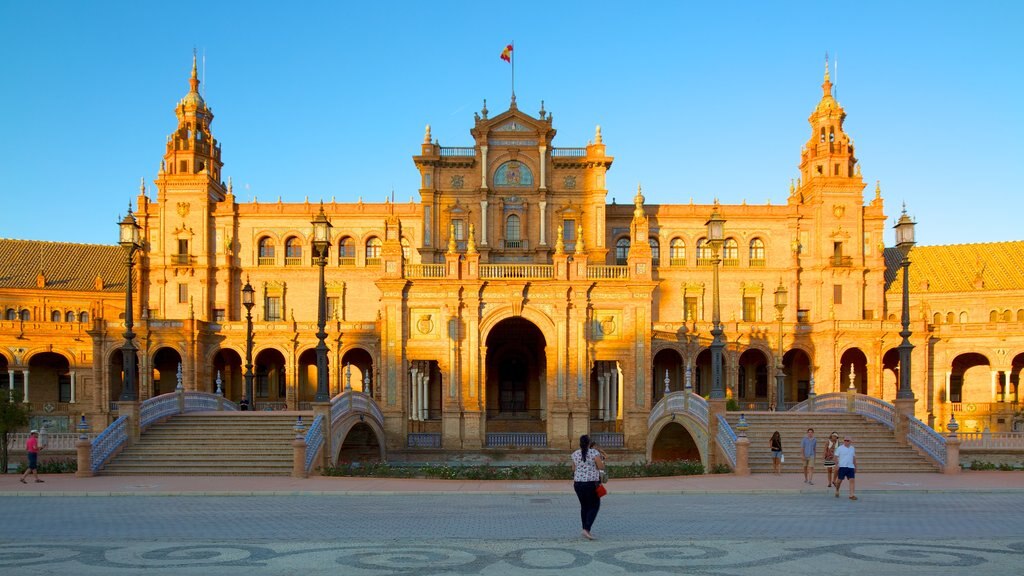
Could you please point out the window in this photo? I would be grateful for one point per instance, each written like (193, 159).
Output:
(406, 252)
(373, 251)
(869, 314)
(83, 317)
(803, 315)
(993, 316)
(950, 318)
(677, 252)
(182, 293)
(690, 304)
(568, 230)
(731, 252)
(1020, 315)
(11, 314)
(749, 309)
(703, 252)
(332, 307)
(512, 228)
(347, 252)
(655, 251)
(69, 317)
(273, 309)
(182, 246)
(963, 317)
(292, 252)
(621, 251)
(459, 228)
(937, 318)
(25, 315)
(1007, 316)
(219, 315)
(757, 252)
(55, 316)
(266, 251)
(183, 166)
(64, 388)
(837, 294)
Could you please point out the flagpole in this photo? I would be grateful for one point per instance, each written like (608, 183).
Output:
(513, 70)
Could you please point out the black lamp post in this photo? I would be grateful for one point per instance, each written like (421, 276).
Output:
(780, 377)
(248, 300)
(905, 241)
(129, 240)
(321, 242)
(716, 236)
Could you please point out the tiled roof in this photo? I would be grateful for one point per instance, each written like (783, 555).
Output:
(66, 266)
(958, 268)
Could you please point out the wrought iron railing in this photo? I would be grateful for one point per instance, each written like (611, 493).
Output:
(517, 440)
(876, 409)
(608, 439)
(831, 402)
(108, 443)
(727, 440)
(314, 441)
(607, 272)
(514, 244)
(423, 440)
(206, 402)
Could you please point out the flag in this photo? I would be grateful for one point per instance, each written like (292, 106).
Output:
(506, 54)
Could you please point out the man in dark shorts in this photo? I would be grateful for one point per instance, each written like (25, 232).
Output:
(32, 448)
(846, 457)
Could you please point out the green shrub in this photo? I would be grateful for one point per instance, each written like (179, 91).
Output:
(979, 465)
(731, 405)
(721, 469)
(558, 471)
(53, 466)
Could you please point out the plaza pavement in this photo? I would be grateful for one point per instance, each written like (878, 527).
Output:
(69, 485)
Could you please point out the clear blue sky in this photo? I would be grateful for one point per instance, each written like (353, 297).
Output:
(698, 100)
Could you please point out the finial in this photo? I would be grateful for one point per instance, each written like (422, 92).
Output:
(194, 80)
(597, 135)
(142, 186)
(542, 111)
(639, 198)
(426, 137)
(904, 207)
(512, 105)
(231, 187)
(827, 77)
(452, 247)
(878, 189)
(559, 243)
(826, 86)
(484, 111)
(580, 248)
(471, 241)
(791, 189)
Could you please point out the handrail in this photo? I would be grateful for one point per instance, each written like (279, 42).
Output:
(62, 441)
(876, 409)
(457, 151)
(314, 441)
(157, 408)
(830, 402)
(928, 440)
(424, 270)
(568, 152)
(354, 401)
(108, 442)
(995, 440)
(727, 440)
(680, 402)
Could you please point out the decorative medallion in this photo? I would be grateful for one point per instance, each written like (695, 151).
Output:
(425, 325)
(513, 174)
(608, 325)
(569, 182)
(183, 208)
(838, 210)
(458, 180)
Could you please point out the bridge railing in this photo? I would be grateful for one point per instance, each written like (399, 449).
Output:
(353, 401)
(314, 442)
(108, 443)
(727, 440)
(680, 403)
(927, 440)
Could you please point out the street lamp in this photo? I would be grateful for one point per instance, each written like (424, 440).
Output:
(904, 242)
(321, 241)
(248, 300)
(716, 236)
(129, 240)
(780, 377)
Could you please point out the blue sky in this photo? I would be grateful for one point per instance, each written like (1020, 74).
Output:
(698, 100)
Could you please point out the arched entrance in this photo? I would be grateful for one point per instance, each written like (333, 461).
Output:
(702, 372)
(752, 385)
(970, 379)
(796, 366)
(164, 371)
(667, 364)
(269, 381)
(516, 365)
(115, 375)
(605, 396)
(674, 442)
(1016, 367)
(357, 371)
(228, 364)
(305, 389)
(855, 360)
(890, 374)
(360, 445)
(49, 380)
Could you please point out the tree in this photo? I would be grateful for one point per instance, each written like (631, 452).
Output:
(13, 415)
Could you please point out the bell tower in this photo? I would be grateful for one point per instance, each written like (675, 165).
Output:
(827, 159)
(191, 148)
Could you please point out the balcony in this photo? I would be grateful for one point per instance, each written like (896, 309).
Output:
(705, 262)
(517, 271)
(607, 272)
(757, 262)
(293, 261)
(677, 262)
(265, 261)
(568, 152)
(732, 262)
(424, 270)
(347, 261)
(841, 261)
(181, 259)
(514, 244)
(457, 151)
(373, 262)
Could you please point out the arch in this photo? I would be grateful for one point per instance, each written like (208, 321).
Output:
(266, 249)
(796, 368)
(937, 318)
(667, 363)
(269, 382)
(993, 316)
(69, 317)
(677, 252)
(703, 249)
(293, 249)
(25, 315)
(342, 429)
(164, 366)
(83, 317)
(512, 228)
(757, 252)
(855, 359)
(501, 313)
(227, 362)
(1014, 392)
(622, 251)
(357, 371)
(1007, 316)
(691, 427)
(51, 378)
(655, 251)
(963, 318)
(968, 382)
(730, 252)
(11, 314)
(513, 174)
(346, 251)
(373, 246)
(55, 316)
(754, 377)
(306, 386)
(890, 374)
(1020, 315)
(515, 368)
(950, 318)
(406, 250)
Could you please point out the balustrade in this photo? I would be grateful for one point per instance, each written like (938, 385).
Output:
(517, 271)
(608, 272)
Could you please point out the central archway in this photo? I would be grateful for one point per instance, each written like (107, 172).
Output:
(516, 365)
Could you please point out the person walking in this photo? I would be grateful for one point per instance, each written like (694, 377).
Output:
(587, 464)
(809, 447)
(847, 457)
(32, 448)
(830, 457)
(776, 446)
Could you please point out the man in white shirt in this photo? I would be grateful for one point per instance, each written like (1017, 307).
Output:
(846, 457)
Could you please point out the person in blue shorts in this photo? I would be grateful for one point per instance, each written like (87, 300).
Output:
(846, 457)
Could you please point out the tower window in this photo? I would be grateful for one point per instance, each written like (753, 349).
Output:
(837, 294)
(690, 304)
(568, 230)
(512, 228)
(182, 293)
(273, 308)
(460, 229)
(183, 166)
(621, 251)
(749, 309)
(822, 134)
(835, 170)
(831, 135)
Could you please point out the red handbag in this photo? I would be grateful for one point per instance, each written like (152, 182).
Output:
(601, 491)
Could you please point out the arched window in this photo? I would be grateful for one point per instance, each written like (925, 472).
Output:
(655, 251)
(55, 316)
(822, 133)
(937, 318)
(1020, 315)
(677, 252)
(25, 316)
(963, 317)
(512, 229)
(83, 317)
(373, 251)
(703, 252)
(757, 252)
(950, 318)
(266, 252)
(730, 252)
(621, 251)
(11, 314)
(1007, 316)
(293, 252)
(69, 317)
(347, 251)
(993, 316)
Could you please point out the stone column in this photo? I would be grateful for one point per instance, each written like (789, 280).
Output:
(904, 411)
(130, 408)
(543, 167)
(483, 167)
(995, 374)
(10, 380)
(483, 222)
(543, 222)
(83, 449)
(949, 376)
(952, 455)
(24, 386)
(742, 456)
(73, 386)
(299, 457)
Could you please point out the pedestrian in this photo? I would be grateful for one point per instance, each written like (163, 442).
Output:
(244, 404)
(830, 457)
(776, 446)
(32, 448)
(587, 464)
(847, 457)
(809, 447)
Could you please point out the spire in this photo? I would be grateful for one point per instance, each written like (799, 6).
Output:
(194, 80)
(826, 86)
(142, 186)
(597, 135)
(426, 136)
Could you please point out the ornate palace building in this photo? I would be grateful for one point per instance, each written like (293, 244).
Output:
(513, 297)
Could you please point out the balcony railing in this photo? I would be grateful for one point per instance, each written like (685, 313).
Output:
(607, 272)
(705, 261)
(265, 261)
(514, 244)
(181, 259)
(841, 261)
(517, 440)
(424, 270)
(568, 152)
(731, 262)
(447, 151)
(757, 262)
(423, 440)
(346, 261)
(517, 271)
(677, 261)
(373, 262)
(293, 261)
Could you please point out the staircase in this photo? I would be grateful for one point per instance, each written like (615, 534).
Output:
(877, 449)
(213, 444)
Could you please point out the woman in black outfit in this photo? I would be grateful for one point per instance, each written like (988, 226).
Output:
(587, 464)
(776, 443)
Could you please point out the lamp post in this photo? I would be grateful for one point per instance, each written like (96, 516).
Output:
(129, 240)
(904, 242)
(780, 377)
(716, 236)
(321, 241)
(248, 300)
